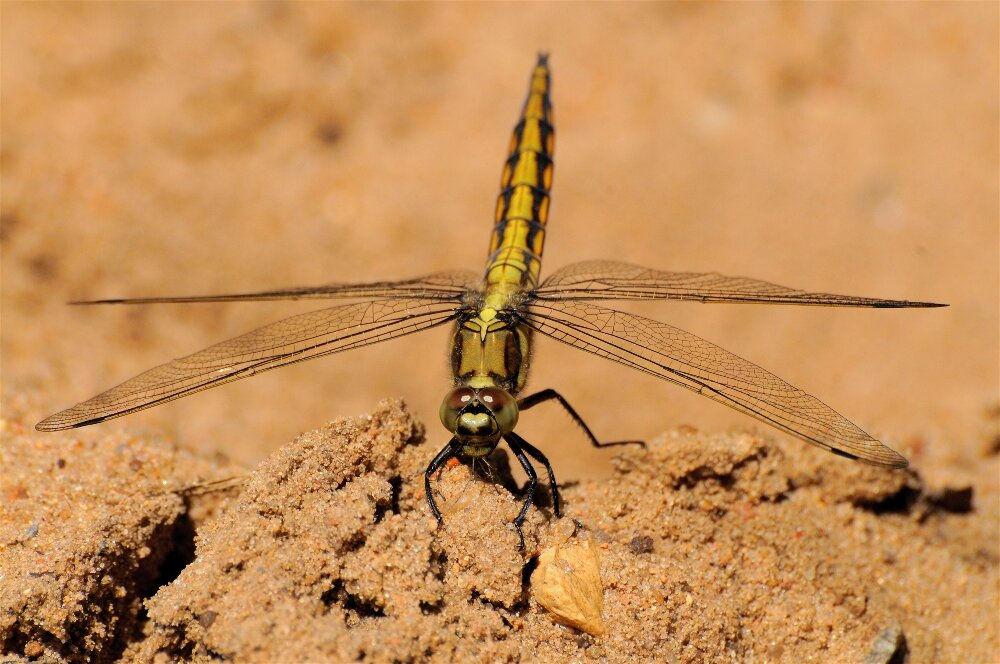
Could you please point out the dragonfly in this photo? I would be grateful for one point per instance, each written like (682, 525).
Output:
(495, 315)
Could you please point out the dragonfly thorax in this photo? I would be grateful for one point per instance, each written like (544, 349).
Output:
(490, 348)
(479, 417)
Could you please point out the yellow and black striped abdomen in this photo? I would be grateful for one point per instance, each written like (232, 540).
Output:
(523, 204)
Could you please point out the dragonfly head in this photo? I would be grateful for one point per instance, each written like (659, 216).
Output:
(478, 417)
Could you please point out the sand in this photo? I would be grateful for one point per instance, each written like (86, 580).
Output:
(157, 149)
(710, 548)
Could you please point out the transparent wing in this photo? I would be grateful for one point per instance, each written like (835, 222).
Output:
(441, 285)
(689, 361)
(609, 280)
(294, 339)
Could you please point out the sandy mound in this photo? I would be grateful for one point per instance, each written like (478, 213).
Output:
(710, 548)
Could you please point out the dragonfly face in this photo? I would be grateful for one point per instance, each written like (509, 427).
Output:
(495, 317)
(478, 418)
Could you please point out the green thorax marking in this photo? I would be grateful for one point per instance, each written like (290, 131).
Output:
(491, 350)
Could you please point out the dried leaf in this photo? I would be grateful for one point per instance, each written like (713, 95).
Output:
(567, 582)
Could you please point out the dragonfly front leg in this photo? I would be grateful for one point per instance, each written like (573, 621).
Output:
(516, 442)
(446, 453)
(537, 455)
(548, 395)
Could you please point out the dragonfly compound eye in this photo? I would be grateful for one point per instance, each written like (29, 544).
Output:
(457, 399)
(502, 405)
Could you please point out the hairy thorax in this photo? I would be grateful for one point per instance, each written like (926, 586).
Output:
(491, 344)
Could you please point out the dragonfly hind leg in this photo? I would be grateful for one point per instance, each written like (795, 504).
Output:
(519, 446)
(537, 455)
(551, 395)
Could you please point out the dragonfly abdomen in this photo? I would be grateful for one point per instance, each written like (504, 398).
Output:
(523, 204)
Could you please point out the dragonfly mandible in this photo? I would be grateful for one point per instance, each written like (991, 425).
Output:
(494, 317)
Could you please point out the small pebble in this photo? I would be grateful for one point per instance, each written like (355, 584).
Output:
(33, 649)
(641, 544)
(885, 646)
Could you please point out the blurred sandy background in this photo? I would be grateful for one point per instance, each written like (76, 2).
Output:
(204, 148)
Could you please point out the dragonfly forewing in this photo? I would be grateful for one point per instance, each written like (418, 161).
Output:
(610, 280)
(295, 339)
(439, 286)
(689, 361)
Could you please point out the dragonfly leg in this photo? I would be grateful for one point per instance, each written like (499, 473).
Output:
(446, 453)
(516, 442)
(549, 395)
(537, 455)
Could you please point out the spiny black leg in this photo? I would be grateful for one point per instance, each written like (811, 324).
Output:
(549, 394)
(513, 440)
(537, 455)
(446, 453)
